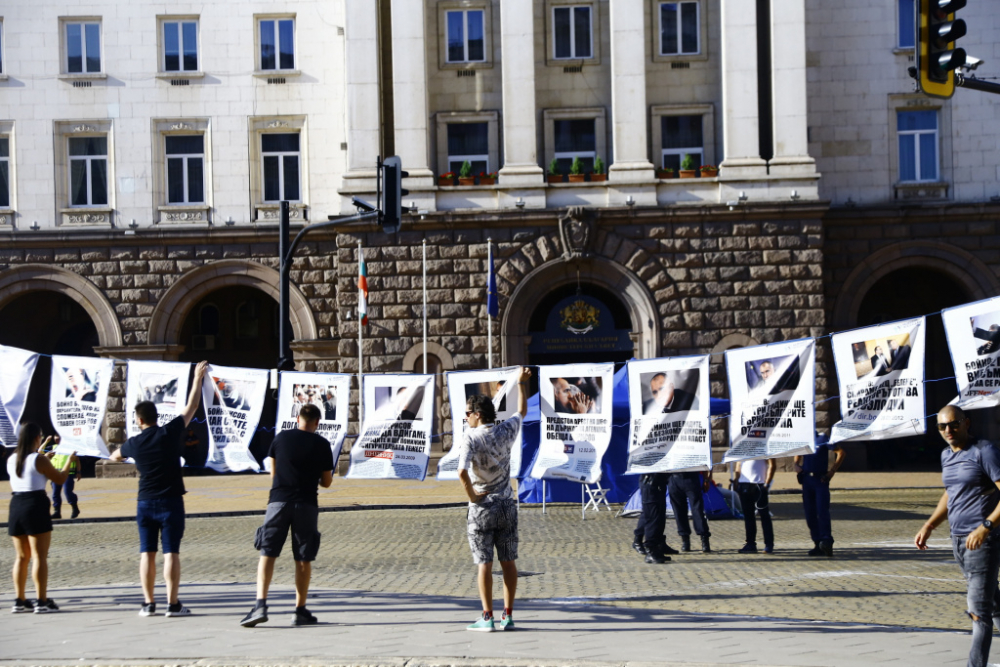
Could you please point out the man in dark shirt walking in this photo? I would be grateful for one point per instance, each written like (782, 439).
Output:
(157, 454)
(300, 459)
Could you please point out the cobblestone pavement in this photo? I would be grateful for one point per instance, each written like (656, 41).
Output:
(877, 577)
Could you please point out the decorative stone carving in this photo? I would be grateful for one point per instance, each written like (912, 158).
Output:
(276, 123)
(83, 128)
(274, 214)
(86, 218)
(5, 219)
(181, 126)
(576, 231)
(184, 216)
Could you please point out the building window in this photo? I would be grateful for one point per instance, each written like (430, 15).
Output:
(681, 135)
(180, 46)
(679, 28)
(4, 172)
(907, 24)
(575, 138)
(83, 47)
(572, 37)
(469, 142)
(280, 157)
(277, 44)
(918, 145)
(208, 320)
(88, 171)
(185, 169)
(466, 36)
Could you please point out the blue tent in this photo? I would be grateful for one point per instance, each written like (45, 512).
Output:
(620, 486)
(716, 506)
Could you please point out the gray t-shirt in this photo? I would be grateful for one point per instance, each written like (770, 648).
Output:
(969, 477)
(485, 453)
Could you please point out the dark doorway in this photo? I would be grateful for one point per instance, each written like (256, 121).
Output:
(541, 323)
(912, 292)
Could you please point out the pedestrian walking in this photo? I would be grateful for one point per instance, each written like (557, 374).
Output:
(685, 488)
(157, 452)
(648, 538)
(28, 522)
(814, 473)
(970, 470)
(484, 470)
(754, 480)
(69, 486)
(300, 459)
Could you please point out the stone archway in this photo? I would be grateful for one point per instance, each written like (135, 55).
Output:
(19, 280)
(168, 318)
(533, 287)
(963, 267)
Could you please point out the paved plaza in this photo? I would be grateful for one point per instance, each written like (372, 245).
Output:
(398, 584)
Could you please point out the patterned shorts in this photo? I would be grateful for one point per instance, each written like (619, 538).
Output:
(490, 525)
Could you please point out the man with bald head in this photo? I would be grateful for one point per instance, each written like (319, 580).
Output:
(970, 470)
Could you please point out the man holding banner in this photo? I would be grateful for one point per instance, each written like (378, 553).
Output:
(157, 453)
(484, 470)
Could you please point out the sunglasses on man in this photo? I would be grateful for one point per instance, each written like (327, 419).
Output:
(953, 425)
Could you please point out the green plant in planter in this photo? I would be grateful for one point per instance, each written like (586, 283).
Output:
(598, 165)
(466, 170)
(577, 167)
(554, 167)
(687, 164)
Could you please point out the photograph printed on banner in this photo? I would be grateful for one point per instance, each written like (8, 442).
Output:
(233, 394)
(80, 385)
(491, 389)
(577, 395)
(399, 403)
(986, 331)
(881, 356)
(323, 397)
(669, 391)
(159, 389)
(772, 375)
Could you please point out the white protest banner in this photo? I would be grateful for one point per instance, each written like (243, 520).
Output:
(973, 332)
(575, 401)
(880, 370)
(330, 392)
(233, 399)
(163, 383)
(772, 395)
(669, 402)
(17, 366)
(395, 441)
(78, 396)
(500, 384)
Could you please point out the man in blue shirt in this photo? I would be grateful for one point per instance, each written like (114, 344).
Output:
(814, 473)
(970, 471)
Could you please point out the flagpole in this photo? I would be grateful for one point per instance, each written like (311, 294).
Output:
(489, 320)
(361, 326)
(425, 306)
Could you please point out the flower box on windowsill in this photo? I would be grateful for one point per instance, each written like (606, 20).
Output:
(466, 180)
(577, 178)
(666, 173)
(598, 178)
(553, 178)
(689, 173)
(446, 181)
(487, 180)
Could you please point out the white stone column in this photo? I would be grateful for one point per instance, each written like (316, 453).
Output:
(517, 67)
(628, 93)
(361, 34)
(740, 122)
(409, 93)
(788, 72)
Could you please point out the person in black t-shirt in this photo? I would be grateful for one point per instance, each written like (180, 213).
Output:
(157, 452)
(299, 460)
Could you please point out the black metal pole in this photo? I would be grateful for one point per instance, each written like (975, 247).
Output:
(286, 361)
(977, 84)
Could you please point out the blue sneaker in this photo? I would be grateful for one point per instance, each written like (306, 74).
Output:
(507, 623)
(482, 625)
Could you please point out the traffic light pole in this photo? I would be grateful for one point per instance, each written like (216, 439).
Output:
(976, 84)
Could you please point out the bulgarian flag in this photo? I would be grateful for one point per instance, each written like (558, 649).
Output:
(362, 288)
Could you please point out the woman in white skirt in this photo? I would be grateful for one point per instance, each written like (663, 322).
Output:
(29, 523)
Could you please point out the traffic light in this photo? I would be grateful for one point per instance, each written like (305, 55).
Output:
(937, 57)
(392, 197)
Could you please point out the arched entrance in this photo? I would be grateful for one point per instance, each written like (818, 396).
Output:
(232, 326)
(580, 323)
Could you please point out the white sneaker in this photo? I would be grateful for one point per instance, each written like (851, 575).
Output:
(177, 610)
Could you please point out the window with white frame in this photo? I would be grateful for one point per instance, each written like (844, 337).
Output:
(180, 45)
(185, 168)
(572, 34)
(469, 142)
(82, 47)
(277, 43)
(907, 37)
(4, 171)
(280, 161)
(680, 136)
(575, 138)
(679, 28)
(466, 36)
(88, 171)
(917, 133)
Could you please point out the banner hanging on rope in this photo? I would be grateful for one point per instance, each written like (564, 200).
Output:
(163, 383)
(669, 403)
(78, 396)
(233, 399)
(500, 384)
(973, 333)
(575, 402)
(772, 392)
(880, 371)
(395, 441)
(17, 367)
(330, 392)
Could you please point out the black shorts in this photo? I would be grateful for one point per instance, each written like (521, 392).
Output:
(302, 518)
(29, 514)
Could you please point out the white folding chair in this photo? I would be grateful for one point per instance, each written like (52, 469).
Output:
(592, 496)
